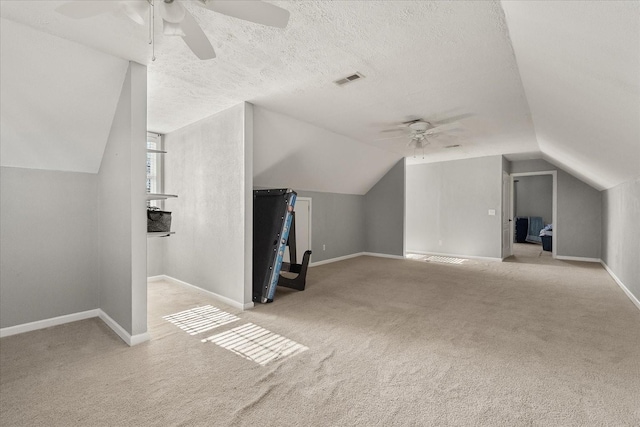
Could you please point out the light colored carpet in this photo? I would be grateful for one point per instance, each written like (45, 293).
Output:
(532, 341)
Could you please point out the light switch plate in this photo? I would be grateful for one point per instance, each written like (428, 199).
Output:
(492, 212)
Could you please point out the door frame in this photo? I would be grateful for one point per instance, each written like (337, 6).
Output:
(308, 199)
(554, 206)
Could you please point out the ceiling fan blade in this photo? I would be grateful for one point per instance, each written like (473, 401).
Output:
(442, 128)
(136, 10)
(86, 9)
(250, 10)
(393, 130)
(452, 119)
(391, 137)
(195, 38)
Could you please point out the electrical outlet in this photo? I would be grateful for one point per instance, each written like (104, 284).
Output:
(440, 242)
(492, 212)
(324, 247)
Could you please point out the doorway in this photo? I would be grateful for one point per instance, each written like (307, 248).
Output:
(303, 229)
(524, 206)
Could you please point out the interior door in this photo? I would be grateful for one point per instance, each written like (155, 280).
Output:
(506, 215)
(303, 229)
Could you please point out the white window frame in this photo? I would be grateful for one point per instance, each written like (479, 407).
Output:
(155, 167)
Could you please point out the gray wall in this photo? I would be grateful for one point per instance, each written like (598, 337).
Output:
(205, 166)
(155, 256)
(122, 217)
(384, 213)
(578, 231)
(48, 244)
(534, 196)
(448, 204)
(72, 242)
(337, 221)
(621, 233)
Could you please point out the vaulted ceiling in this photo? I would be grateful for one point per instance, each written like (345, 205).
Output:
(529, 79)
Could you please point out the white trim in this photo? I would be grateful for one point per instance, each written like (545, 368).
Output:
(155, 278)
(131, 340)
(482, 258)
(330, 260)
(577, 258)
(626, 290)
(47, 323)
(383, 255)
(226, 300)
(308, 199)
(404, 208)
(74, 317)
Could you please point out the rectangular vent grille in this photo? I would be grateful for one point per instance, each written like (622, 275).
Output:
(349, 79)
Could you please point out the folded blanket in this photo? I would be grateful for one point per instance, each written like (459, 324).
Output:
(535, 225)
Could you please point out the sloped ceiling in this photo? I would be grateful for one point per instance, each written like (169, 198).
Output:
(290, 153)
(57, 100)
(580, 66)
(421, 59)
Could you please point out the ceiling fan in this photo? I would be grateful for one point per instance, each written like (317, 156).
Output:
(419, 131)
(177, 20)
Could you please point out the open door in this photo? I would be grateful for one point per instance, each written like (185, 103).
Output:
(506, 216)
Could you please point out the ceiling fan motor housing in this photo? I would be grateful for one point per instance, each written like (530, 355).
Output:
(419, 127)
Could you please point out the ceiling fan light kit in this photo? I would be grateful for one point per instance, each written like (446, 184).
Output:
(172, 11)
(172, 29)
(177, 20)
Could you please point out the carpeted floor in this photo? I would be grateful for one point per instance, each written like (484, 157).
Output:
(383, 342)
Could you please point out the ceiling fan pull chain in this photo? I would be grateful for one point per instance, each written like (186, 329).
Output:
(150, 20)
(152, 27)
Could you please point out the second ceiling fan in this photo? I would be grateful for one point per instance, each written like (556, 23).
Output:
(177, 20)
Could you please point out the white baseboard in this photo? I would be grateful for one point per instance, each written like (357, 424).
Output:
(219, 297)
(383, 255)
(47, 323)
(340, 258)
(357, 254)
(577, 258)
(74, 317)
(622, 286)
(155, 278)
(131, 340)
(481, 258)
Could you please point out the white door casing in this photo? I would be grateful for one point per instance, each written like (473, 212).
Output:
(303, 229)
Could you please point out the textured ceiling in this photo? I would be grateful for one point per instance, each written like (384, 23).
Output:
(421, 59)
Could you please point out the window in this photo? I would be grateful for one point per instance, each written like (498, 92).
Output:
(154, 167)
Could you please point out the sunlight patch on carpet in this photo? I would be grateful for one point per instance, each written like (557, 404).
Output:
(200, 319)
(416, 256)
(445, 259)
(257, 344)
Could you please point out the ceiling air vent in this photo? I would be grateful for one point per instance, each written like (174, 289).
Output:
(452, 146)
(349, 79)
